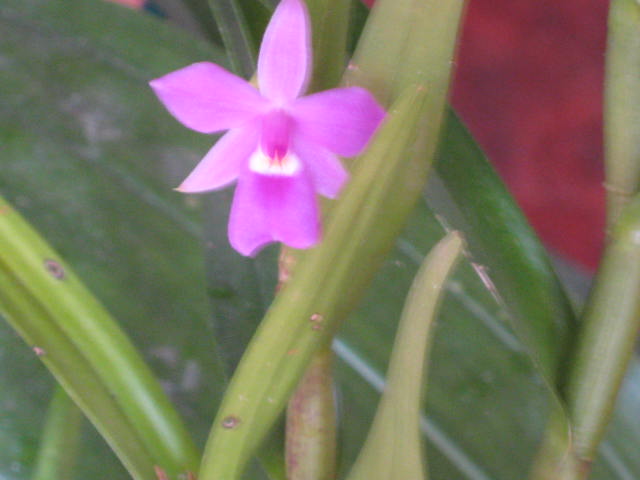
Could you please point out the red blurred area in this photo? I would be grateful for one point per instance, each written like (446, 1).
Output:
(529, 85)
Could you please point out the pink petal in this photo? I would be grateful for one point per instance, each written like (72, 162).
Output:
(284, 62)
(342, 120)
(207, 98)
(273, 208)
(327, 173)
(224, 162)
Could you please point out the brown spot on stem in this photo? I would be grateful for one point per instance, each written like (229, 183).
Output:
(54, 268)
(286, 262)
(584, 466)
(160, 473)
(230, 422)
(316, 321)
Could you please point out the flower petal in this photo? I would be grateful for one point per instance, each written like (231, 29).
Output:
(207, 98)
(342, 120)
(224, 162)
(326, 171)
(293, 212)
(284, 62)
(273, 208)
(248, 225)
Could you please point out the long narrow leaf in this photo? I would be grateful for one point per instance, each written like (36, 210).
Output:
(89, 355)
(60, 440)
(508, 255)
(236, 35)
(394, 446)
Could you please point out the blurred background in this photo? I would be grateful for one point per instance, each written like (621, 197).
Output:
(529, 85)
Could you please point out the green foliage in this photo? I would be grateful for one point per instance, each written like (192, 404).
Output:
(393, 448)
(90, 158)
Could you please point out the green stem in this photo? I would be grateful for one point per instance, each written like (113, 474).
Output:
(59, 441)
(611, 321)
(311, 422)
(622, 106)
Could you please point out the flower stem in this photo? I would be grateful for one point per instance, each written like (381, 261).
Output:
(311, 412)
(311, 422)
(310, 451)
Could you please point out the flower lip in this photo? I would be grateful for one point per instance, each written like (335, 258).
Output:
(285, 165)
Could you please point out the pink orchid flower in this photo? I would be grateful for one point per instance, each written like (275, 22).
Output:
(281, 147)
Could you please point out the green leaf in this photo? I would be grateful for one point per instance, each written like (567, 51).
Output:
(485, 395)
(90, 157)
(393, 448)
(505, 250)
(60, 439)
(236, 35)
(88, 354)
(483, 389)
(329, 22)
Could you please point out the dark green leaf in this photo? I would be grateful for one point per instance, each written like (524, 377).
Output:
(90, 157)
(506, 251)
(236, 35)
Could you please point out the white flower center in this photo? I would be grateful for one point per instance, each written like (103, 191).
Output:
(264, 164)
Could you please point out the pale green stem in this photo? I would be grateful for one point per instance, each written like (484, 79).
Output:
(59, 442)
(622, 106)
(611, 320)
